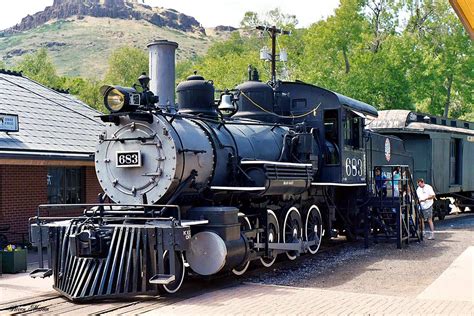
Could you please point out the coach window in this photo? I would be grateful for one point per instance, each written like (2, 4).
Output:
(65, 185)
(352, 129)
(455, 161)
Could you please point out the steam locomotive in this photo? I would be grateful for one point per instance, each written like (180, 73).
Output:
(269, 169)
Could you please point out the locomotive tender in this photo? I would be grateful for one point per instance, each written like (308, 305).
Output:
(271, 169)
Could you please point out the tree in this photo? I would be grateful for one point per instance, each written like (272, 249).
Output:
(382, 16)
(126, 64)
(443, 77)
(86, 90)
(2, 65)
(39, 67)
(279, 19)
(226, 62)
(250, 20)
(271, 18)
(330, 45)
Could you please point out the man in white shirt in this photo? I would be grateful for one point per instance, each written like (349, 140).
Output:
(426, 196)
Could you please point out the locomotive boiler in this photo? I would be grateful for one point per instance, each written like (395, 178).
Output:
(209, 186)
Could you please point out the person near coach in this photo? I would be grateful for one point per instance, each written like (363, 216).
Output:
(426, 196)
(380, 183)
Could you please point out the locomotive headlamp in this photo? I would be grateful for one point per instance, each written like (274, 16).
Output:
(120, 99)
(115, 100)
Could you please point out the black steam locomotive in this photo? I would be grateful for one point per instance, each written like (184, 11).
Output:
(268, 169)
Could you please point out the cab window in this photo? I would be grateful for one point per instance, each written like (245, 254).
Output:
(331, 133)
(352, 130)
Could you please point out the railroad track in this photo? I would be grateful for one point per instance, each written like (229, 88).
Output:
(53, 303)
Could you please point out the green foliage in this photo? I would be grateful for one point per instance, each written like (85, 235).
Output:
(277, 18)
(126, 64)
(2, 65)
(445, 59)
(272, 18)
(250, 20)
(185, 69)
(225, 63)
(87, 90)
(394, 54)
(39, 67)
(365, 51)
(332, 45)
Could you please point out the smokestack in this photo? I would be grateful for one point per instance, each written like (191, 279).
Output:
(162, 71)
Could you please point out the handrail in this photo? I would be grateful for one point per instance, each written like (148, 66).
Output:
(110, 205)
(403, 203)
(90, 205)
(419, 214)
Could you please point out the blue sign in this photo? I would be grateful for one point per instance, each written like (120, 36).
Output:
(8, 122)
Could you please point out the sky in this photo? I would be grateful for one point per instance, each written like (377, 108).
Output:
(208, 12)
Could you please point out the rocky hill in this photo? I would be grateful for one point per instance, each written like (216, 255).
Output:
(80, 35)
(116, 9)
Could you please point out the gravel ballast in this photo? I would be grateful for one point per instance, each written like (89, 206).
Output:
(380, 269)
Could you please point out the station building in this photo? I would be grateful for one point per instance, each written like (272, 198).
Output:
(47, 143)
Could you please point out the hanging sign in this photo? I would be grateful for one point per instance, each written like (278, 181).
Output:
(8, 122)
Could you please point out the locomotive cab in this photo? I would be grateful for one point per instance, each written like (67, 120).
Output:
(344, 152)
(339, 121)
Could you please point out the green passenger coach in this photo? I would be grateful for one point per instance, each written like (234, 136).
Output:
(442, 149)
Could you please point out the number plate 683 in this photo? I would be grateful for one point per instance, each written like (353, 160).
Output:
(128, 159)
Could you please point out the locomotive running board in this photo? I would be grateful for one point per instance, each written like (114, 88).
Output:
(337, 184)
(221, 188)
(275, 163)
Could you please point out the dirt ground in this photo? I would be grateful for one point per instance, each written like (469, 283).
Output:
(381, 269)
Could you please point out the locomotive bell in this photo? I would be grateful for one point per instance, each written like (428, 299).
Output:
(227, 105)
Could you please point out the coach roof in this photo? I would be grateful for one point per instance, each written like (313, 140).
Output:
(409, 121)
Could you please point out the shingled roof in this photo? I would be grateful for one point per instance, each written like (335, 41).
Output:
(52, 125)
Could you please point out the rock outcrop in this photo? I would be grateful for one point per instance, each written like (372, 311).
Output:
(225, 28)
(117, 9)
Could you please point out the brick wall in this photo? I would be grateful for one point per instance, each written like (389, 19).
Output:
(23, 188)
(93, 187)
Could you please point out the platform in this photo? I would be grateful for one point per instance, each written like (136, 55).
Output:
(372, 282)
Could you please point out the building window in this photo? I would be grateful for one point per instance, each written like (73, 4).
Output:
(65, 185)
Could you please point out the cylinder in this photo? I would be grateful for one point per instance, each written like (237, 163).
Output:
(162, 71)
